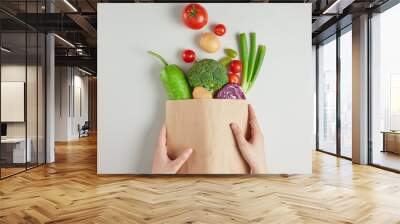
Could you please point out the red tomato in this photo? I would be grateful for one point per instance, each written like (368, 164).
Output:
(233, 73)
(219, 29)
(188, 56)
(236, 66)
(195, 16)
(234, 78)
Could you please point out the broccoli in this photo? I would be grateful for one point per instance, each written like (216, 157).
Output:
(207, 73)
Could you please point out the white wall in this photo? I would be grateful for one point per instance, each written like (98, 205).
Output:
(15, 73)
(18, 73)
(314, 74)
(131, 99)
(62, 81)
(68, 81)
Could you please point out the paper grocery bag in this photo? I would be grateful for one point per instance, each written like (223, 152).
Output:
(203, 125)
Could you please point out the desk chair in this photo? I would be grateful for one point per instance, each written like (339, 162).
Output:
(84, 130)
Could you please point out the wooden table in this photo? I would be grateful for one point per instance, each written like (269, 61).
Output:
(391, 141)
(13, 150)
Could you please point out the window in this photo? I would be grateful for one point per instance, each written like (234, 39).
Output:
(385, 89)
(395, 101)
(346, 94)
(327, 97)
(334, 106)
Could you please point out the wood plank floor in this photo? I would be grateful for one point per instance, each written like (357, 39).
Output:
(387, 159)
(5, 172)
(69, 191)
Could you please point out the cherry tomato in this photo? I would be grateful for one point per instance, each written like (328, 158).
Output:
(233, 78)
(236, 66)
(188, 56)
(195, 16)
(219, 29)
(233, 73)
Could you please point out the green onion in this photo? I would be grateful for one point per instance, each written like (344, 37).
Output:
(252, 57)
(244, 57)
(259, 60)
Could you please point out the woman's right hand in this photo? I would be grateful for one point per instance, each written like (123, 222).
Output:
(252, 148)
(162, 164)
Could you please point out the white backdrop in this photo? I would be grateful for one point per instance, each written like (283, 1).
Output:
(131, 99)
(12, 101)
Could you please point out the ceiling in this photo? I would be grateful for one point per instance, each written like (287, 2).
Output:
(76, 21)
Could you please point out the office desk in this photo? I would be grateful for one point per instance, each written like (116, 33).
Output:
(13, 150)
(391, 142)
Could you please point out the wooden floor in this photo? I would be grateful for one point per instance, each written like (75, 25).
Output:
(5, 172)
(387, 159)
(69, 191)
(9, 171)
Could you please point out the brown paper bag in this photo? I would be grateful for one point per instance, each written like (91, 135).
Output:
(203, 125)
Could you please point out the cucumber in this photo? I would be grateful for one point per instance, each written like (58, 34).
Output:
(173, 79)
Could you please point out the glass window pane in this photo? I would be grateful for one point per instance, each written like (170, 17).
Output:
(327, 97)
(346, 94)
(13, 86)
(22, 90)
(386, 89)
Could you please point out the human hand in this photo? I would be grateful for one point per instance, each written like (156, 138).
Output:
(162, 164)
(251, 148)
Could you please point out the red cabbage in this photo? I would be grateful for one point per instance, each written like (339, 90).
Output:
(231, 91)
